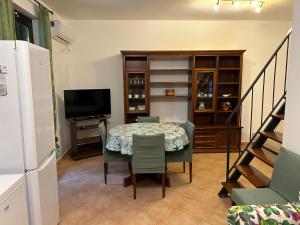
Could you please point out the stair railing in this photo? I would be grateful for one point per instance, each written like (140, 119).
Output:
(237, 111)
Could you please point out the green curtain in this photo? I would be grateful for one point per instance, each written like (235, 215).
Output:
(7, 20)
(45, 41)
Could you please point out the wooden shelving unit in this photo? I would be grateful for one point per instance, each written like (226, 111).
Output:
(208, 76)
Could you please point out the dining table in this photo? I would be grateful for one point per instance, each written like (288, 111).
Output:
(120, 140)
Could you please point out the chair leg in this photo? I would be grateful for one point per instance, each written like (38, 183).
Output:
(105, 172)
(183, 164)
(130, 167)
(191, 171)
(134, 185)
(163, 184)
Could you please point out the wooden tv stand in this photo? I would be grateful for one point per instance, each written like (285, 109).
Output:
(85, 138)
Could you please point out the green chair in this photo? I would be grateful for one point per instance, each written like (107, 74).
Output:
(184, 155)
(148, 119)
(109, 156)
(148, 157)
(284, 186)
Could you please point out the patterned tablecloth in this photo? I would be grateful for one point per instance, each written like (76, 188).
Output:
(120, 137)
(274, 214)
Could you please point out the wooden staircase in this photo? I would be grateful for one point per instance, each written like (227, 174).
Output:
(256, 150)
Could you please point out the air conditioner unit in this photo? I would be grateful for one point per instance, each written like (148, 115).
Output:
(61, 32)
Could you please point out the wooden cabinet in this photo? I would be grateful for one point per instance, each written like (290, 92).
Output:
(136, 85)
(216, 92)
(213, 89)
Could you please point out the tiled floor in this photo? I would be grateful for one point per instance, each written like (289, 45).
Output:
(86, 200)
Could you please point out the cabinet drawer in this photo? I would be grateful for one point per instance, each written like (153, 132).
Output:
(208, 144)
(13, 210)
(222, 138)
(205, 133)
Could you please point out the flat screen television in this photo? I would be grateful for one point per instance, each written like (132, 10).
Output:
(87, 102)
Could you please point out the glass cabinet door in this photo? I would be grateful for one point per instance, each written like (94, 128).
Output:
(204, 90)
(136, 91)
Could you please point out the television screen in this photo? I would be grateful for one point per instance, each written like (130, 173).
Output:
(89, 102)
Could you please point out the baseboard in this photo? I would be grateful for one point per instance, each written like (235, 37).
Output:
(62, 155)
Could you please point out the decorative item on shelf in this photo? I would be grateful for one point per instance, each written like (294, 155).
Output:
(136, 95)
(143, 94)
(200, 94)
(132, 108)
(210, 95)
(226, 95)
(130, 94)
(201, 105)
(170, 92)
(141, 107)
(226, 106)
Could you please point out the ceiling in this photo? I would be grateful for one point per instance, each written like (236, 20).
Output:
(167, 10)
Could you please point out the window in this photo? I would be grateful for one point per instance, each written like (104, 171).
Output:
(24, 29)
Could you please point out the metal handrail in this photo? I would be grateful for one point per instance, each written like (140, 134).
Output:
(249, 91)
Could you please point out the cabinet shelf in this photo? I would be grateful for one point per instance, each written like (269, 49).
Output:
(140, 70)
(228, 83)
(229, 68)
(216, 127)
(169, 71)
(229, 97)
(88, 140)
(136, 99)
(204, 97)
(137, 112)
(168, 83)
(223, 111)
(163, 97)
(204, 111)
(87, 127)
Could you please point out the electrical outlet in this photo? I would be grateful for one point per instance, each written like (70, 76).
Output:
(3, 69)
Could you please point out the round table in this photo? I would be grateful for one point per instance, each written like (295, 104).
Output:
(120, 137)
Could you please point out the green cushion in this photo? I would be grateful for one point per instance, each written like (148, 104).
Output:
(184, 155)
(110, 156)
(148, 153)
(148, 119)
(241, 196)
(286, 175)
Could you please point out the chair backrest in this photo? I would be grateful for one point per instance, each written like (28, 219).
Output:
(286, 175)
(148, 119)
(148, 153)
(190, 129)
(102, 131)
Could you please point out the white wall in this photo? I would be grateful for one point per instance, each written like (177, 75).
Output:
(60, 55)
(95, 60)
(291, 139)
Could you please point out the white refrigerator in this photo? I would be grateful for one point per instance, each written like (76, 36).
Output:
(27, 140)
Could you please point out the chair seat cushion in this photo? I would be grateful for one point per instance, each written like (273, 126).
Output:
(178, 156)
(241, 196)
(111, 156)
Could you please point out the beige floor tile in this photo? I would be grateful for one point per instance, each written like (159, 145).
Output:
(86, 200)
